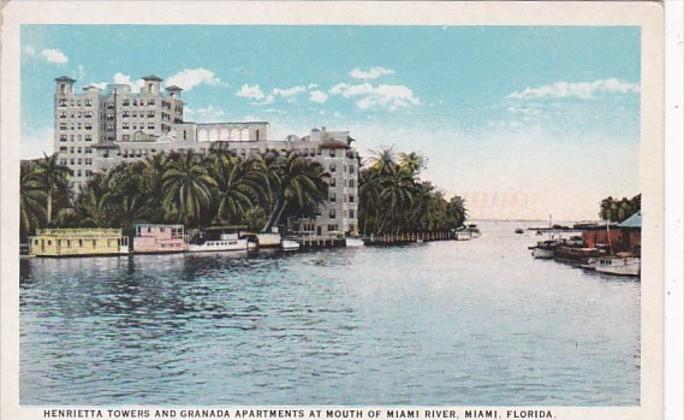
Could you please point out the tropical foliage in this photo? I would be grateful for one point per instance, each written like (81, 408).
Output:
(393, 199)
(615, 210)
(221, 189)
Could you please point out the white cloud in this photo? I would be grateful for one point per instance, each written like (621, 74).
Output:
(101, 85)
(579, 90)
(318, 96)
(124, 79)
(289, 94)
(35, 142)
(189, 78)
(250, 92)
(208, 114)
(53, 55)
(389, 97)
(371, 73)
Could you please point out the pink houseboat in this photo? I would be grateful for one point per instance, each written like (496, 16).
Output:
(158, 239)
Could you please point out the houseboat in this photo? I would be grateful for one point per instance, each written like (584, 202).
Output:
(351, 242)
(77, 242)
(159, 239)
(545, 249)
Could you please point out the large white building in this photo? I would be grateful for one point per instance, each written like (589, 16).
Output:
(97, 129)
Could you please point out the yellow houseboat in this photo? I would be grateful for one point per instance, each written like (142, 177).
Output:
(78, 242)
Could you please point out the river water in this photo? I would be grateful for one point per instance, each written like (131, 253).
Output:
(441, 323)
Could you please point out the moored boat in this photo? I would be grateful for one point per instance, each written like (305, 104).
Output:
(77, 242)
(353, 242)
(159, 239)
(519, 231)
(618, 265)
(226, 242)
(288, 245)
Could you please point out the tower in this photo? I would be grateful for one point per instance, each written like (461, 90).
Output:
(152, 85)
(64, 86)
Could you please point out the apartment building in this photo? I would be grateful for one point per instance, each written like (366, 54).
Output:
(99, 128)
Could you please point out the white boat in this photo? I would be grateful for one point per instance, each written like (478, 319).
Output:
(227, 242)
(620, 266)
(591, 264)
(353, 242)
(542, 253)
(289, 245)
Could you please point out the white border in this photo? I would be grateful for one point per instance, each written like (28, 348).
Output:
(648, 15)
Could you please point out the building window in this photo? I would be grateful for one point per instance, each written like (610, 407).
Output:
(88, 126)
(333, 197)
(80, 243)
(332, 152)
(62, 102)
(352, 183)
(126, 137)
(351, 214)
(125, 114)
(62, 137)
(88, 102)
(78, 162)
(71, 150)
(332, 213)
(63, 149)
(126, 102)
(332, 167)
(351, 169)
(78, 150)
(332, 182)
(150, 126)
(62, 126)
(150, 114)
(351, 198)
(125, 126)
(88, 137)
(332, 228)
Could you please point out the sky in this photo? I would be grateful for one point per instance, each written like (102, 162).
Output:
(524, 122)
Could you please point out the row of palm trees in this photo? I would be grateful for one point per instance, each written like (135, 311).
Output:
(618, 210)
(221, 188)
(393, 199)
(180, 187)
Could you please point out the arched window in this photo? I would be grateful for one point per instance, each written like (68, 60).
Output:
(202, 135)
(235, 134)
(213, 134)
(244, 135)
(224, 134)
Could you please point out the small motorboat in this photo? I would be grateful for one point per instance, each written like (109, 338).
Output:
(226, 242)
(353, 242)
(288, 245)
(519, 231)
(619, 265)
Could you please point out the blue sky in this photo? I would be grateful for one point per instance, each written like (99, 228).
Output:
(523, 121)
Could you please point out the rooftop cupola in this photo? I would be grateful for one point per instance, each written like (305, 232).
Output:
(64, 85)
(174, 91)
(152, 84)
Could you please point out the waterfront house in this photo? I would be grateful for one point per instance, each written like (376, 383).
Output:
(150, 239)
(65, 242)
(622, 237)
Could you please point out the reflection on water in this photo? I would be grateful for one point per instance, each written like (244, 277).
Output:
(457, 323)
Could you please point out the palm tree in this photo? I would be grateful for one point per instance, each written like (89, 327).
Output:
(31, 199)
(91, 205)
(55, 179)
(299, 183)
(412, 162)
(383, 161)
(239, 187)
(187, 185)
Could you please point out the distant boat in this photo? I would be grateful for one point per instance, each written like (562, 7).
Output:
(289, 245)
(226, 242)
(620, 266)
(353, 242)
(545, 249)
(519, 231)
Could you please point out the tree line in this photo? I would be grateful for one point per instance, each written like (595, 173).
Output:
(221, 188)
(619, 210)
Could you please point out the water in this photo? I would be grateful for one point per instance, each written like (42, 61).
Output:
(458, 323)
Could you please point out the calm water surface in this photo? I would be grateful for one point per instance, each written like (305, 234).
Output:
(458, 323)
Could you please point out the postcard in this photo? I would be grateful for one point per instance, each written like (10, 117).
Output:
(332, 210)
